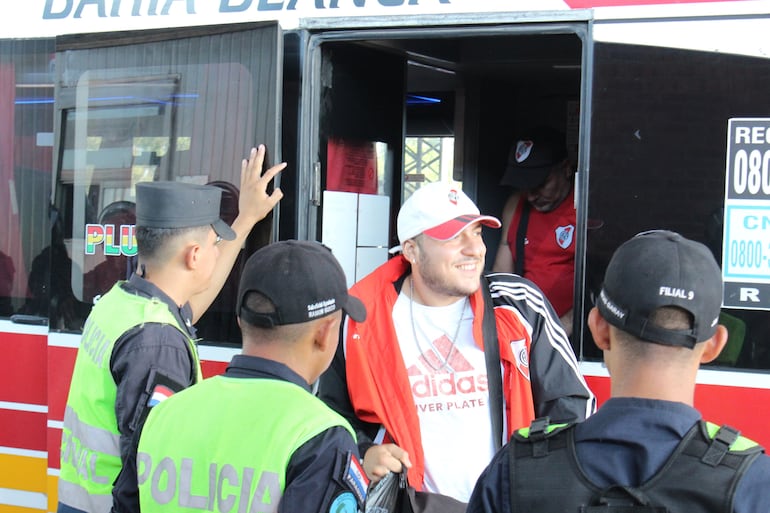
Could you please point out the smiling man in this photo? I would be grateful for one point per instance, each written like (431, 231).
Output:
(448, 361)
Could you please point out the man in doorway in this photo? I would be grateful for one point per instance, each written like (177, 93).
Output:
(448, 361)
(538, 236)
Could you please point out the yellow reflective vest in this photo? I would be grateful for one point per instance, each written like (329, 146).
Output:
(224, 444)
(90, 451)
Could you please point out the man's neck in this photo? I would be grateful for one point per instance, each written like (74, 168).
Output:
(654, 386)
(417, 291)
(173, 284)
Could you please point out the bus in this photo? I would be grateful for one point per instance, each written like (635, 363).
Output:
(665, 106)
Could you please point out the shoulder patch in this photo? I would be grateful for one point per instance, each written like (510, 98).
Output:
(521, 355)
(157, 389)
(344, 503)
(159, 394)
(354, 476)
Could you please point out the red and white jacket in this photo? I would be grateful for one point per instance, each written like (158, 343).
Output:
(368, 382)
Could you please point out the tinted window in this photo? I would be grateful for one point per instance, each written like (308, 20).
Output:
(26, 125)
(143, 108)
(658, 148)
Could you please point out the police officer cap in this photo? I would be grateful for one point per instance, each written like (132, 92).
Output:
(180, 205)
(302, 279)
(656, 269)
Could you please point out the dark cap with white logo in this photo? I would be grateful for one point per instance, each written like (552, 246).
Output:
(533, 156)
(302, 279)
(658, 269)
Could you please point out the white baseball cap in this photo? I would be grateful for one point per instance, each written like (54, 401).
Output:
(440, 211)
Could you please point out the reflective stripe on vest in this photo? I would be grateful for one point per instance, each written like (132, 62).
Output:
(75, 496)
(224, 444)
(90, 450)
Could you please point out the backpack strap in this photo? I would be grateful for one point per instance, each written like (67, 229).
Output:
(539, 435)
(539, 429)
(521, 237)
(492, 359)
(539, 462)
(720, 444)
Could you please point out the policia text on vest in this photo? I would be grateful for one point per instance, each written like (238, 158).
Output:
(189, 471)
(225, 485)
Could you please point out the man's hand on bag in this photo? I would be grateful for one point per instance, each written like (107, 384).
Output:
(381, 459)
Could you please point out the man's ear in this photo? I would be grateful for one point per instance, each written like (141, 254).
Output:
(326, 332)
(713, 346)
(408, 250)
(191, 255)
(600, 329)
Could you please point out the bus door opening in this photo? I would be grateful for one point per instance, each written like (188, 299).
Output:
(402, 108)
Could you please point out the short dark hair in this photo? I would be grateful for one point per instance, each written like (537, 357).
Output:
(152, 242)
(672, 318)
(259, 303)
(667, 317)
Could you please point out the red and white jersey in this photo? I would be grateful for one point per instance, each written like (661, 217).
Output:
(549, 251)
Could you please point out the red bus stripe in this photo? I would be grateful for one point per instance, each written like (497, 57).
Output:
(23, 430)
(23, 368)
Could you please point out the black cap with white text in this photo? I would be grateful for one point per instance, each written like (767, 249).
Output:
(658, 269)
(302, 279)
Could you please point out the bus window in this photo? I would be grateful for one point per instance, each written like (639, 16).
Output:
(112, 141)
(158, 106)
(26, 122)
(658, 146)
(429, 142)
(427, 160)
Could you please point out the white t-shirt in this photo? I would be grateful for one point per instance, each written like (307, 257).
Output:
(449, 386)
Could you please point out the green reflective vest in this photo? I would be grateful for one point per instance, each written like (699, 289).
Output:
(90, 452)
(224, 444)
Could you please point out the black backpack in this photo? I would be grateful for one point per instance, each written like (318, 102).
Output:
(701, 475)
